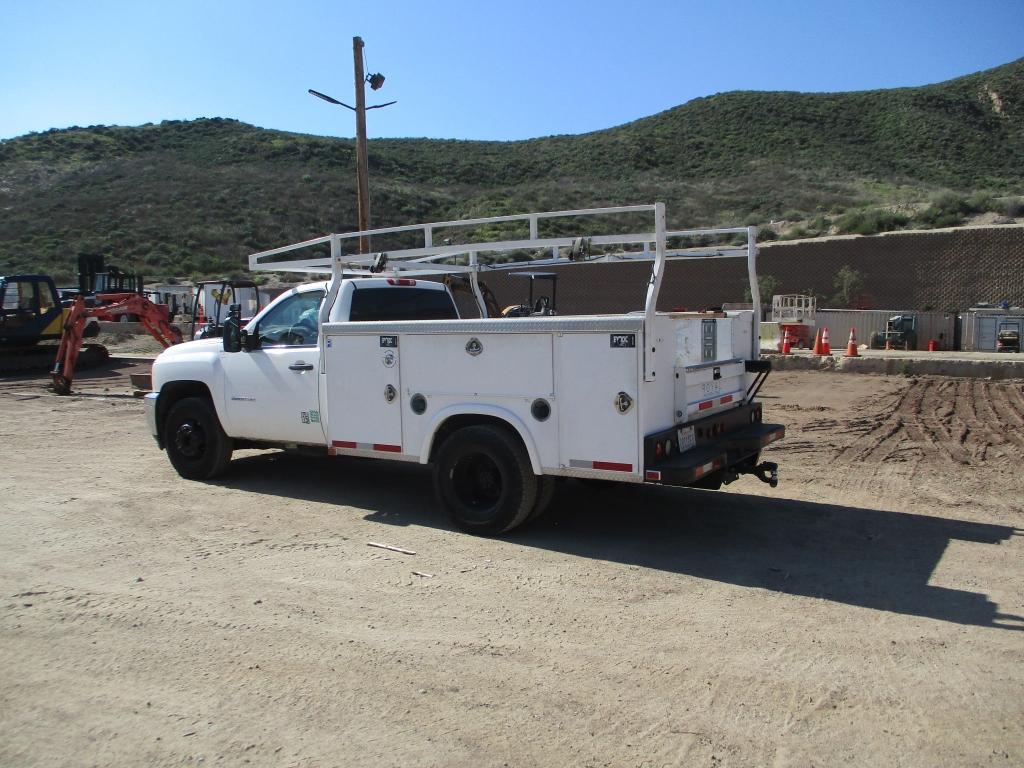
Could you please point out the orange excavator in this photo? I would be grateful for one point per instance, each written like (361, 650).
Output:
(153, 317)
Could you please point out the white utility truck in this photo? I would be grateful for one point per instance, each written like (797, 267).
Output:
(376, 362)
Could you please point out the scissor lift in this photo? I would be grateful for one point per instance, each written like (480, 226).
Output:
(795, 314)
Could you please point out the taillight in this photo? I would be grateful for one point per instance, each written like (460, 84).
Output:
(401, 281)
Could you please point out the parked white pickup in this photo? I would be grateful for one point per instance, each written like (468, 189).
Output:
(383, 367)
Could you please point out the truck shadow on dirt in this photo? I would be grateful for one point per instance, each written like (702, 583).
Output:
(864, 557)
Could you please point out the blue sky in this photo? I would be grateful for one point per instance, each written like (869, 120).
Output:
(467, 70)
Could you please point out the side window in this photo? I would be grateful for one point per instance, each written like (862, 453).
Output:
(45, 298)
(20, 295)
(11, 296)
(293, 322)
(27, 296)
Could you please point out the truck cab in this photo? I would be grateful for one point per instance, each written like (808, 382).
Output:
(268, 391)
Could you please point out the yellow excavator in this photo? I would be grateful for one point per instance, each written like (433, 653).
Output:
(31, 315)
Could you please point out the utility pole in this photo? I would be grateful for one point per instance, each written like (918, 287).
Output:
(375, 80)
(362, 162)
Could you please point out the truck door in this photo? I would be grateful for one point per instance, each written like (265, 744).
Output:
(272, 392)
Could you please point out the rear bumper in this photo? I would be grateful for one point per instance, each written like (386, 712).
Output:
(721, 441)
(727, 452)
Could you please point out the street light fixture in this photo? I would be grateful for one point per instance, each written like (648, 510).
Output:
(375, 80)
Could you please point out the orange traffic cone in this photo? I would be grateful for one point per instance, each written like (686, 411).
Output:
(817, 343)
(851, 347)
(888, 344)
(786, 343)
(826, 348)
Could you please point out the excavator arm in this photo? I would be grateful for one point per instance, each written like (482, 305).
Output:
(153, 317)
(460, 284)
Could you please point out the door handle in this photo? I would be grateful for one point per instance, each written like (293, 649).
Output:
(300, 366)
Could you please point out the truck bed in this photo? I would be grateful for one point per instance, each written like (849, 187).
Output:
(579, 390)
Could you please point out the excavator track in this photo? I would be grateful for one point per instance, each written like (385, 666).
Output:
(91, 356)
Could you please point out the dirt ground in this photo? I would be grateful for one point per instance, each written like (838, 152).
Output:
(868, 611)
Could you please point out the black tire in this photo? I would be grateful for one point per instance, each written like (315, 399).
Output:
(483, 478)
(545, 490)
(196, 444)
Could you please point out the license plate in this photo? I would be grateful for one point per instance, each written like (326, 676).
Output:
(686, 439)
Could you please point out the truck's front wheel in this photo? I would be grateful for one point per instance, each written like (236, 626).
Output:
(196, 444)
(484, 479)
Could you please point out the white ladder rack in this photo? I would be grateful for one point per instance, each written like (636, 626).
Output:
(430, 258)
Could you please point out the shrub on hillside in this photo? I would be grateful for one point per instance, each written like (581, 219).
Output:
(946, 210)
(820, 225)
(980, 202)
(1014, 208)
(870, 222)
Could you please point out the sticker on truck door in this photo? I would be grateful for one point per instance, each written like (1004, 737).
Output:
(389, 341)
(623, 340)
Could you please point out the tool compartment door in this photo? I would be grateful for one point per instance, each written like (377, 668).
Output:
(710, 372)
(360, 369)
(596, 429)
(467, 370)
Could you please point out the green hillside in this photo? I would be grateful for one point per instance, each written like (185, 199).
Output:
(185, 198)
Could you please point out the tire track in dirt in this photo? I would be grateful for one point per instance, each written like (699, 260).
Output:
(1008, 408)
(964, 422)
(878, 433)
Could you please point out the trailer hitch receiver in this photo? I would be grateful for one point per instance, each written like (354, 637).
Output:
(767, 472)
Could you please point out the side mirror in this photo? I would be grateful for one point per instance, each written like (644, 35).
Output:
(232, 336)
(250, 341)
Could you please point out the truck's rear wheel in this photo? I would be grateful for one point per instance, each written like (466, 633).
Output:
(196, 444)
(484, 479)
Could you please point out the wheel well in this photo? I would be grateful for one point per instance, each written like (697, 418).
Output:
(172, 392)
(455, 423)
